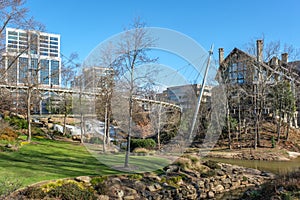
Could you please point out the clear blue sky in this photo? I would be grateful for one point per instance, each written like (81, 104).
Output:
(227, 24)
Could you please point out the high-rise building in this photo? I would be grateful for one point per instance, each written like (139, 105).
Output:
(32, 57)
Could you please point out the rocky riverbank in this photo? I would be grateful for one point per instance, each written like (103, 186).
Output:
(176, 181)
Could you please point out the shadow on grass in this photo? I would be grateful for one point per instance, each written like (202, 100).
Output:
(46, 160)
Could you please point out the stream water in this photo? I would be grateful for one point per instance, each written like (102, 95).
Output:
(276, 167)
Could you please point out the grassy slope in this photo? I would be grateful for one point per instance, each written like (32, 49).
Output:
(47, 159)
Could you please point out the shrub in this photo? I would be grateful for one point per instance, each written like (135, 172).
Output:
(173, 180)
(34, 193)
(183, 163)
(140, 150)
(99, 185)
(8, 134)
(72, 191)
(17, 122)
(135, 176)
(142, 143)
(193, 158)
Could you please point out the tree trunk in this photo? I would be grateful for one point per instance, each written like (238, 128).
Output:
(129, 131)
(278, 129)
(29, 114)
(65, 115)
(229, 127)
(158, 126)
(105, 128)
(288, 127)
(126, 164)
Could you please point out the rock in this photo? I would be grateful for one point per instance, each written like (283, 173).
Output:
(84, 179)
(203, 195)
(140, 186)
(157, 186)
(227, 180)
(103, 197)
(244, 182)
(219, 188)
(120, 193)
(200, 184)
(129, 198)
(267, 174)
(235, 185)
(220, 172)
(171, 168)
(210, 194)
(253, 171)
(130, 191)
(151, 188)
(116, 181)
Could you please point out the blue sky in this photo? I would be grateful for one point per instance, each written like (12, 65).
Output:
(227, 24)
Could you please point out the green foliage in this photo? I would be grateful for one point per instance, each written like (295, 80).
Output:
(173, 180)
(282, 97)
(99, 185)
(71, 191)
(233, 125)
(142, 143)
(17, 122)
(37, 131)
(273, 142)
(98, 179)
(135, 176)
(8, 185)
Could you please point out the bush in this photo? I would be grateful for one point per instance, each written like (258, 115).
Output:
(8, 134)
(72, 191)
(17, 122)
(99, 185)
(140, 150)
(183, 163)
(34, 193)
(142, 143)
(135, 176)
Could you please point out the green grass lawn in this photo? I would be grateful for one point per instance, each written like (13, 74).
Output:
(45, 159)
(48, 159)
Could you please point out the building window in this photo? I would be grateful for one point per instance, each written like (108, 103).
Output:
(54, 72)
(45, 72)
(23, 70)
(236, 73)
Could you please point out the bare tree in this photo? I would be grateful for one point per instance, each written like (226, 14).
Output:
(132, 51)
(68, 72)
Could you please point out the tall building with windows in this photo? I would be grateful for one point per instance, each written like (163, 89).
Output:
(32, 57)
